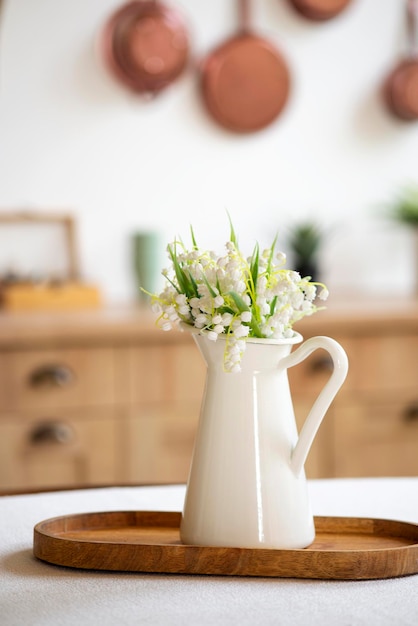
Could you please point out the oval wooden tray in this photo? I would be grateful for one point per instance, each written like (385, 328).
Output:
(345, 548)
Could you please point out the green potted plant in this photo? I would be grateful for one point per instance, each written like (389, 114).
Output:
(304, 240)
(404, 209)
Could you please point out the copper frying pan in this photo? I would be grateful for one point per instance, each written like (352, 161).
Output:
(145, 45)
(319, 10)
(245, 81)
(401, 87)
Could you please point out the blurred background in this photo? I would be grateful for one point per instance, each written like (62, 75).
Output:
(115, 168)
(74, 138)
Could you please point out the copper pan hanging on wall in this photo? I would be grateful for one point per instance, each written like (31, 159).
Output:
(145, 45)
(245, 81)
(319, 10)
(401, 87)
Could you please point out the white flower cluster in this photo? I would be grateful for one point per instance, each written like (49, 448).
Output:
(234, 296)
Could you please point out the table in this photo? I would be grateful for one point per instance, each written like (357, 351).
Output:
(36, 593)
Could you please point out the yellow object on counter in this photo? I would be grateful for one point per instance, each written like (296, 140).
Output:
(57, 297)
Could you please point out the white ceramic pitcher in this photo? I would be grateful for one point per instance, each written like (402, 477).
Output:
(247, 485)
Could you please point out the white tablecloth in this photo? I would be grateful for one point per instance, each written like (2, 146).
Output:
(34, 593)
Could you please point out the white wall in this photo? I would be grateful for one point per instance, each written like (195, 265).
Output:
(72, 138)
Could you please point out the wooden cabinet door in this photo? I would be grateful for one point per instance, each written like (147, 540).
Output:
(377, 438)
(167, 384)
(160, 444)
(320, 461)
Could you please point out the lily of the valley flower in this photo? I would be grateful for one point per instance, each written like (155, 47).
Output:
(234, 296)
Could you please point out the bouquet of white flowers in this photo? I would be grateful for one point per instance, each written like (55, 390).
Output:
(234, 296)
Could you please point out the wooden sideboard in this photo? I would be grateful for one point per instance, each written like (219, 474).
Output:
(371, 428)
(105, 397)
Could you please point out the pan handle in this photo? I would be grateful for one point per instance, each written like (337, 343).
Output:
(412, 27)
(244, 10)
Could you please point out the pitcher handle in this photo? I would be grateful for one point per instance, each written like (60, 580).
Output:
(326, 396)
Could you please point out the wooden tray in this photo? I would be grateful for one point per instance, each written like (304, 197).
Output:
(141, 541)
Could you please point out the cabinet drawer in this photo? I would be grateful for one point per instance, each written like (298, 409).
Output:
(375, 363)
(64, 449)
(377, 438)
(168, 374)
(161, 444)
(58, 378)
(383, 363)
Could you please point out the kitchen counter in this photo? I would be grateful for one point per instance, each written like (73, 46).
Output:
(137, 323)
(34, 592)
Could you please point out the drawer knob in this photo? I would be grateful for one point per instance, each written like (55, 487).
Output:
(411, 413)
(52, 376)
(52, 432)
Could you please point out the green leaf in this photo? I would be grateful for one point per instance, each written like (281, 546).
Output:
(191, 287)
(226, 309)
(193, 238)
(273, 305)
(194, 286)
(209, 286)
(271, 255)
(232, 236)
(173, 284)
(255, 329)
(255, 259)
(239, 302)
(185, 285)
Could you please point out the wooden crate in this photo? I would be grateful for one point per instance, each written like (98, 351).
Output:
(68, 293)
